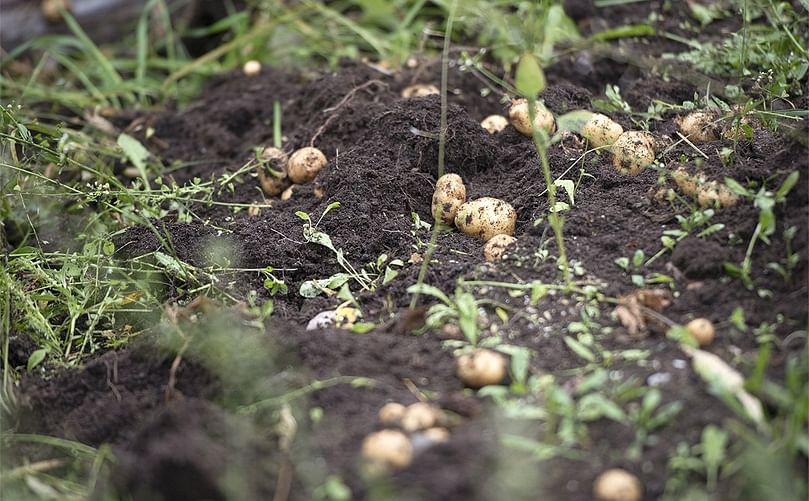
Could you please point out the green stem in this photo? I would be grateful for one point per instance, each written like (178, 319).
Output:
(556, 220)
(442, 139)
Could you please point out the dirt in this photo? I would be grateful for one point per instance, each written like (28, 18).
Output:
(195, 435)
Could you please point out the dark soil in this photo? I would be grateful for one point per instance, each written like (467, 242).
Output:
(191, 443)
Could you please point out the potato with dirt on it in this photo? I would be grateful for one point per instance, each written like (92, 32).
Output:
(698, 126)
(449, 195)
(702, 330)
(486, 217)
(386, 449)
(601, 130)
(305, 164)
(617, 485)
(420, 90)
(633, 151)
(496, 247)
(481, 368)
(494, 123)
(420, 416)
(714, 193)
(521, 118)
(273, 171)
(687, 183)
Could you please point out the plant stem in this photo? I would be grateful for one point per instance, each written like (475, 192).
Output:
(555, 219)
(442, 139)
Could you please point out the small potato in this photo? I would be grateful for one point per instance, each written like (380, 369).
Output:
(50, 9)
(420, 416)
(272, 173)
(436, 435)
(708, 194)
(698, 126)
(387, 449)
(450, 193)
(702, 330)
(420, 90)
(251, 68)
(687, 183)
(486, 217)
(305, 163)
(494, 123)
(633, 151)
(287, 193)
(482, 367)
(520, 118)
(496, 246)
(726, 197)
(601, 130)
(391, 413)
(617, 485)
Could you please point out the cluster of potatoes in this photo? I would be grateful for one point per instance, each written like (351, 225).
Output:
(277, 172)
(489, 219)
(707, 193)
(632, 151)
(410, 429)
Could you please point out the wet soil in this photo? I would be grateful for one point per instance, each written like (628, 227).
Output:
(193, 439)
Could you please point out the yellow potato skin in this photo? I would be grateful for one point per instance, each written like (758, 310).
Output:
(496, 246)
(387, 448)
(486, 217)
(420, 90)
(482, 367)
(617, 485)
(601, 130)
(449, 195)
(494, 123)
(520, 118)
(305, 164)
(275, 159)
(632, 152)
(698, 126)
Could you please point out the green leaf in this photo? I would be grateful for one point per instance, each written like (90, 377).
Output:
(136, 154)
(37, 357)
(714, 443)
(569, 187)
(108, 248)
(430, 291)
(736, 188)
(579, 349)
(786, 186)
(595, 406)
(530, 79)
(573, 121)
(390, 274)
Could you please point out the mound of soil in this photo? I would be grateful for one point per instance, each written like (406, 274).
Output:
(383, 156)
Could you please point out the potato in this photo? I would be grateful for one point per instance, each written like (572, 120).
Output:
(305, 163)
(698, 126)
(601, 130)
(711, 193)
(287, 193)
(687, 183)
(617, 485)
(482, 367)
(520, 118)
(420, 416)
(633, 151)
(486, 217)
(387, 449)
(50, 9)
(436, 435)
(494, 123)
(496, 246)
(420, 90)
(702, 330)
(273, 173)
(450, 193)
(391, 413)
(251, 68)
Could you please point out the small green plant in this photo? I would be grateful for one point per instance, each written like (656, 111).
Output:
(462, 308)
(765, 201)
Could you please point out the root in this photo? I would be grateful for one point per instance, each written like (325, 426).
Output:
(345, 100)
